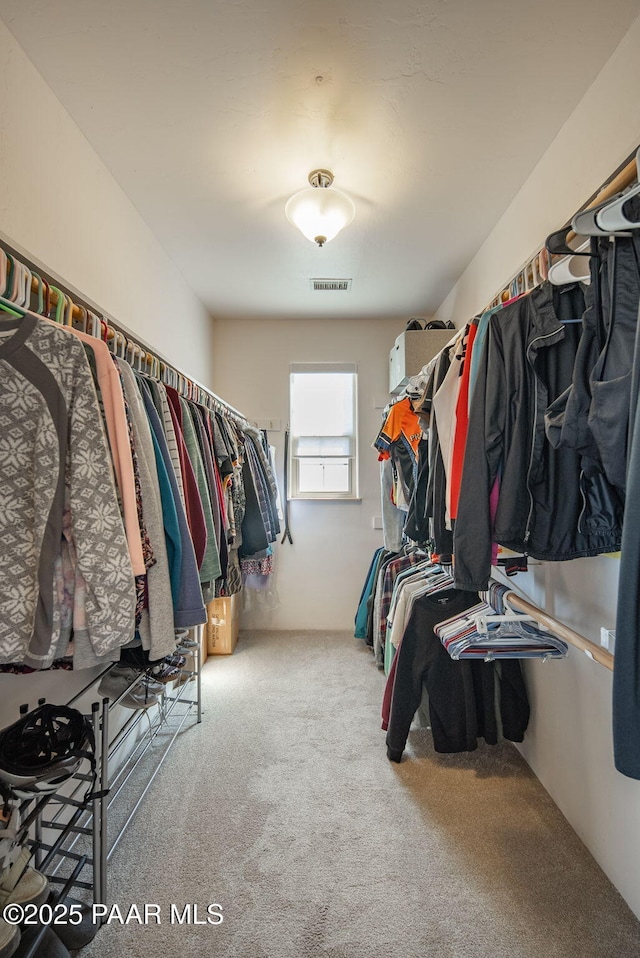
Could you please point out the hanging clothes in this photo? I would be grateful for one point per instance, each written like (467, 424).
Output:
(110, 392)
(462, 695)
(436, 485)
(53, 451)
(387, 576)
(156, 627)
(193, 502)
(417, 526)
(393, 519)
(188, 607)
(425, 577)
(592, 415)
(360, 622)
(399, 439)
(461, 420)
(210, 567)
(443, 416)
(547, 506)
(626, 667)
(162, 404)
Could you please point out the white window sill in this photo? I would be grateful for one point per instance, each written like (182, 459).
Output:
(325, 499)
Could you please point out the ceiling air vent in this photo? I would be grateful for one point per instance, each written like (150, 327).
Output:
(324, 285)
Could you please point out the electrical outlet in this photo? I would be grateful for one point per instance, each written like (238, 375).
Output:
(376, 522)
(608, 638)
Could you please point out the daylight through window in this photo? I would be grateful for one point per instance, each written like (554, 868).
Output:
(323, 431)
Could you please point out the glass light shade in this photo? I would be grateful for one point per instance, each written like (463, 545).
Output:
(320, 212)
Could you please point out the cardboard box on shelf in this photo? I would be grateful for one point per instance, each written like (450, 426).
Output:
(223, 625)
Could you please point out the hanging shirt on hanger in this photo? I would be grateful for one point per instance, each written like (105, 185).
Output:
(53, 445)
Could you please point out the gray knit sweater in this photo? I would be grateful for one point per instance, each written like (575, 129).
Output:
(53, 453)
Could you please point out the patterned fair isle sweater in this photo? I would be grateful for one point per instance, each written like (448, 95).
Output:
(56, 487)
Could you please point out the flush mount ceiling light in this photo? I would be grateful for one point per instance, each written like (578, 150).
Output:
(320, 212)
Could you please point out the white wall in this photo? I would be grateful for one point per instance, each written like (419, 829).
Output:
(319, 578)
(61, 206)
(569, 742)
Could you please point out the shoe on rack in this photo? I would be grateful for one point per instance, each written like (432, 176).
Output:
(77, 936)
(20, 884)
(9, 830)
(183, 640)
(117, 680)
(31, 889)
(187, 649)
(139, 698)
(175, 660)
(9, 939)
(50, 945)
(121, 678)
(134, 656)
(164, 673)
(152, 685)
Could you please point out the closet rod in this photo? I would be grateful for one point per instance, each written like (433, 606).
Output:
(594, 651)
(624, 176)
(80, 300)
(623, 179)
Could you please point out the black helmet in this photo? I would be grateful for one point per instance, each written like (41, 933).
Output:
(43, 748)
(439, 324)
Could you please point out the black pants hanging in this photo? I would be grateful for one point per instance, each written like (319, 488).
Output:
(626, 671)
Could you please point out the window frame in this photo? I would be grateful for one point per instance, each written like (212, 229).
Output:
(294, 492)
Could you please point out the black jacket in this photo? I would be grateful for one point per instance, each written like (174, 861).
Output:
(547, 506)
(462, 694)
(592, 416)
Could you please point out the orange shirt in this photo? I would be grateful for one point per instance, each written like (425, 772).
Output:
(401, 421)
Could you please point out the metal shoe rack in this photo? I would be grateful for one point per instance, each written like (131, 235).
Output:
(70, 840)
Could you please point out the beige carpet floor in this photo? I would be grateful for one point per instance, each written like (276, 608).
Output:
(282, 808)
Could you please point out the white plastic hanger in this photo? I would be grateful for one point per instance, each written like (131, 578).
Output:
(611, 218)
(608, 217)
(571, 269)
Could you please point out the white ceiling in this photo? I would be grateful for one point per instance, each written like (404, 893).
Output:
(430, 113)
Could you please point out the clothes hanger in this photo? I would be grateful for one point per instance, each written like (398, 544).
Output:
(10, 310)
(69, 307)
(586, 222)
(15, 294)
(61, 306)
(479, 633)
(28, 284)
(22, 284)
(557, 243)
(46, 310)
(573, 268)
(94, 327)
(608, 217)
(574, 265)
(41, 289)
(81, 322)
(510, 623)
(11, 290)
(614, 215)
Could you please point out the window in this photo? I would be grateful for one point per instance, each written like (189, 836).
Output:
(322, 420)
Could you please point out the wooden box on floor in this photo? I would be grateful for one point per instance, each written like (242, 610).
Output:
(223, 625)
